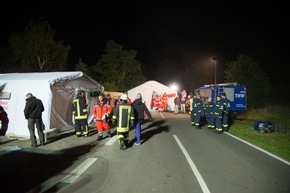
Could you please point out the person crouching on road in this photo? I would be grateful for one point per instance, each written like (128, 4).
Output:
(80, 113)
(101, 114)
(123, 117)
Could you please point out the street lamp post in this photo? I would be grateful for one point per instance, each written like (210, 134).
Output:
(214, 59)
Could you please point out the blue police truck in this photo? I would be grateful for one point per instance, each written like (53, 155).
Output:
(237, 95)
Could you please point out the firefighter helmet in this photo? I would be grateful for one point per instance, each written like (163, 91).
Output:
(124, 97)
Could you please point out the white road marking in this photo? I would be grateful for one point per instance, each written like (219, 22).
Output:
(262, 150)
(161, 115)
(193, 167)
(112, 140)
(71, 177)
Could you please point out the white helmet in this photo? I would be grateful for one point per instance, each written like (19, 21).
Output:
(124, 97)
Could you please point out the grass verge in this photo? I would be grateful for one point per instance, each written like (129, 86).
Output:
(277, 142)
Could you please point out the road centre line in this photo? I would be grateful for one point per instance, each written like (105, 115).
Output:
(262, 150)
(193, 167)
(72, 176)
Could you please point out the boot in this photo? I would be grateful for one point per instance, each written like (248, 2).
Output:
(100, 137)
(122, 144)
(109, 133)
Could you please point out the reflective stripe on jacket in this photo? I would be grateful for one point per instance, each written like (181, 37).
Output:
(80, 108)
(125, 115)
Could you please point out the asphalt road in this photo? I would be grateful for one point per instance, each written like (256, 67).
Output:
(173, 157)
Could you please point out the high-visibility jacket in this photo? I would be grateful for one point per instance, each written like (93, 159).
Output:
(101, 109)
(191, 103)
(124, 114)
(226, 104)
(197, 106)
(153, 102)
(80, 108)
(218, 108)
(208, 109)
(165, 101)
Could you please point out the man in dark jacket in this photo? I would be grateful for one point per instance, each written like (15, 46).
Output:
(139, 111)
(33, 113)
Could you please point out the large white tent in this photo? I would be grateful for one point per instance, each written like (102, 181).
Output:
(151, 88)
(56, 90)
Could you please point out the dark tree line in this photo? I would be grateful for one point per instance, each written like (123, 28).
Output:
(36, 50)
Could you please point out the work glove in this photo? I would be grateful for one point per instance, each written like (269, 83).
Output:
(105, 117)
(96, 119)
(114, 121)
(131, 124)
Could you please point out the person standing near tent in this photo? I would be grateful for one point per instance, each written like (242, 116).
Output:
(123, 117)
(108, 99)
(183, 93)
(33, 113)
(101, 114)
(182, 104)
(165, 102)
(80, 113)
(176, 104)
(153, 102)
(4, 121)
(140, 110)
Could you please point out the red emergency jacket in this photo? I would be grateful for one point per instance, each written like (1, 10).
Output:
(100, 109)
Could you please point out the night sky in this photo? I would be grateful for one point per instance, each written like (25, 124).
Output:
(182, 34)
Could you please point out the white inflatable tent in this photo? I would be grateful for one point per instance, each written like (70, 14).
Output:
(150, 89)
(56, 90)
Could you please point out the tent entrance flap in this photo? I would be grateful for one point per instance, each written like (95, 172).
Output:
(150, 89)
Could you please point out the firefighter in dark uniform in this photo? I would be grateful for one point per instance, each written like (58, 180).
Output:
(123, 116)
(80, 113)
(217, 114)
(208, 112)
(227, 106)
(192, 116)
(197, 110)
